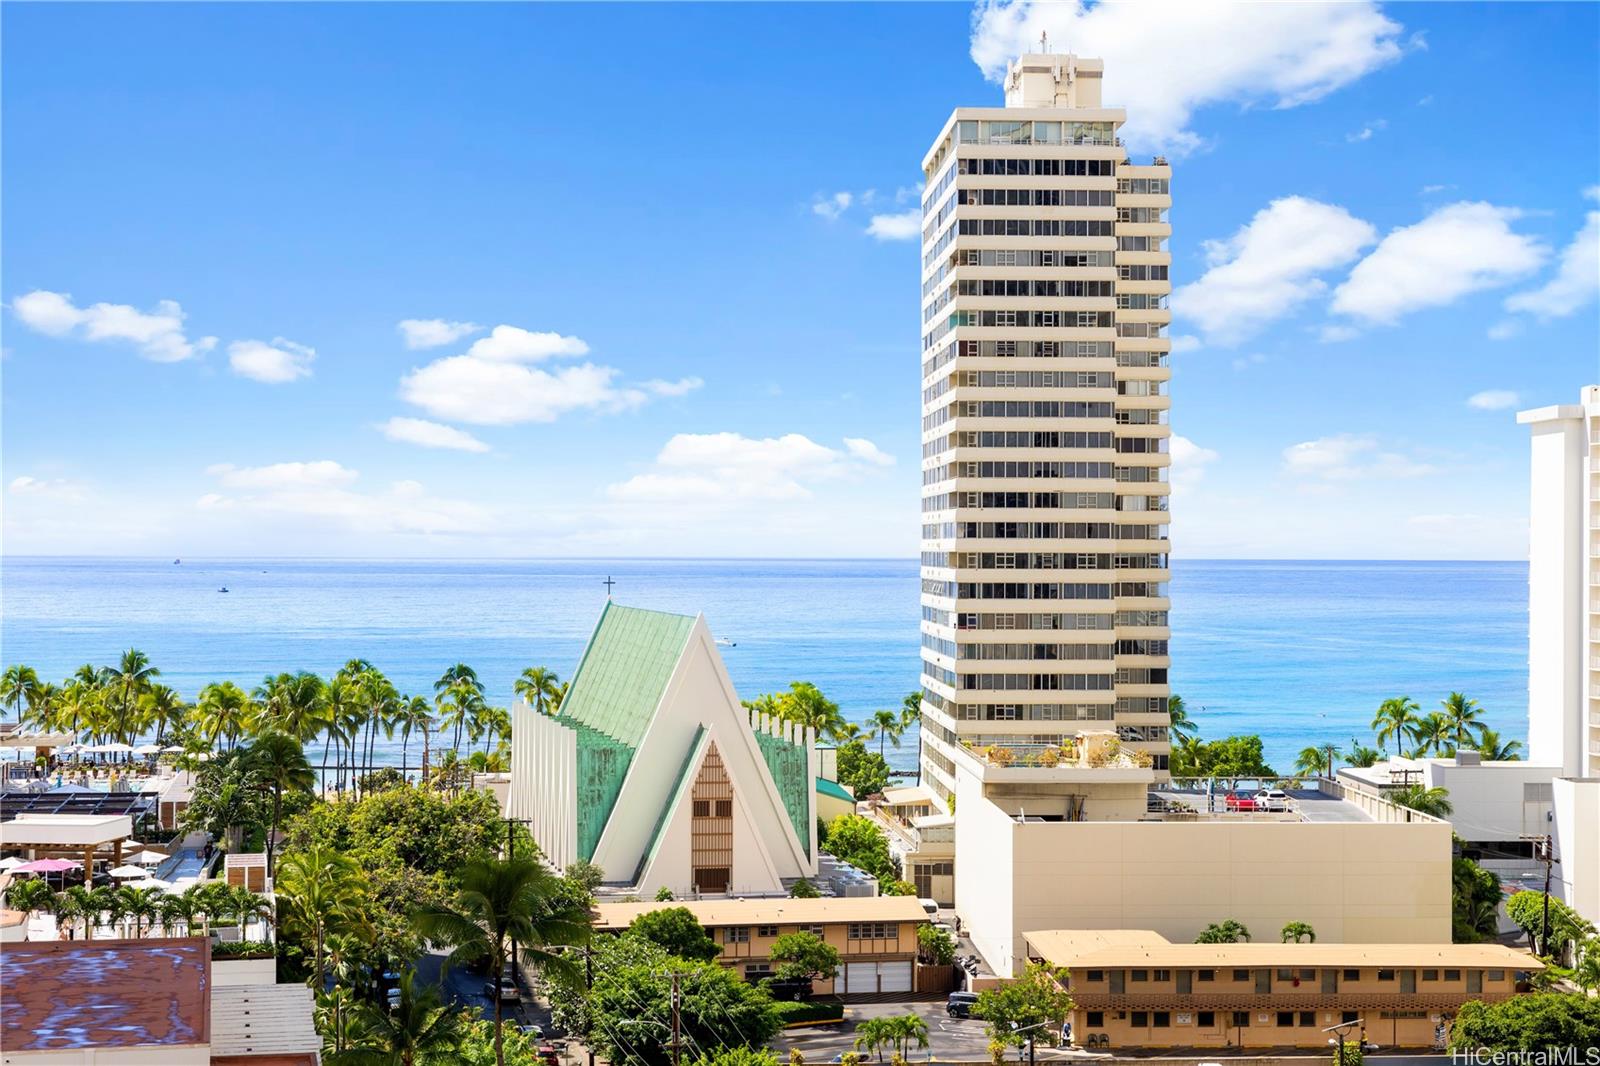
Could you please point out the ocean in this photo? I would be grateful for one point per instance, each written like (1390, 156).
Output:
(1298, 652)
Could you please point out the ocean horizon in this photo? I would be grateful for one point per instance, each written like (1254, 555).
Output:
(1297, 651)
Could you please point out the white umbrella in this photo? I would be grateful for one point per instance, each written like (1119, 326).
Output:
(122, 872)
(172, 749)
(148, 749)
(116, 749)
(6, 864)
(151, 882)
(147, 858)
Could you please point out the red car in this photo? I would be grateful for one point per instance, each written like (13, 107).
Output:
(1233, 801)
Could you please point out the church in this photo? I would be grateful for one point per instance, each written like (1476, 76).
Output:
(654, 771)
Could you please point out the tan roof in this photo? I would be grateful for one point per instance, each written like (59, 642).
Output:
(1107, 948)
(262, 1020)
(779, 910)
(907, 794)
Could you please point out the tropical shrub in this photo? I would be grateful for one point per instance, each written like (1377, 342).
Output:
(1532, 1022)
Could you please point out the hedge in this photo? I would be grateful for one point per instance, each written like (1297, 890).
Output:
(811, 1010)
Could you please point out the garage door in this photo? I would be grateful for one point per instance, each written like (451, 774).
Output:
(894, 976)
(860, 977)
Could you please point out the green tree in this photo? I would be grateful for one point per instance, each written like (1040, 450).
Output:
(140, 904)
(1422, 799)
(320, 891)
(1527, 910)
(539, 687)
(1230, 757)
(290, 703)
(805, 704)
(1227, 931)
(863, 772)
(32, 896)
(280, 765)
(458, 694)
(1394, 720)
(586, 874)
(1312, 761)
(935, 947)
(133, 674)
(1179, 725)
(1493, 749)
(1033, 998)
(1465, 719)
(803, 956)
(736, 1056)
(1298, 931)
(19, 685)
(677, 931)
(1433, 733)
(418, 1031)
(803, 889)
(857, 840)
(228, 799)
(502, 902)
(886, 726)
(1360, 755)
(1474, 902)
(896, 1032)
(222, 710)
(1535, 1022)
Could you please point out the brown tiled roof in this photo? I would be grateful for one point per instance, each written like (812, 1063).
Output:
(1280, 1000)
(62, 995)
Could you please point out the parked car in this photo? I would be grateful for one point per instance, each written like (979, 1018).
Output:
(930, 906)
(507, 990)
(1272, 799)
(959, 1004)
(1233, 801)
(531, 1031)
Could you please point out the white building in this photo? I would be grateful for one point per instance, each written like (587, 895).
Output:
(1044, 428)
(653, 770)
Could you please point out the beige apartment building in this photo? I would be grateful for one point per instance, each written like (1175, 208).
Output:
(1044, 430)
(1132, 988)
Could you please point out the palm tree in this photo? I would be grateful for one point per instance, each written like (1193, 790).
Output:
(559, 697)
(43, 704)
(1420, 798)
(516, 900)
(381, 699)
(458, 694)
(222, 710)
(320, 891)
(412, 713)
(334, 1011)
(540, 688)
(19, 685)
(886, 725)
(1433, 732)
(1464, 716)
(281, 763)
(176, 908)
(1360, 755)
(139, 904)
(1225, 932)
(161, 706)
(1310, 761)
(31, 896)
(133, 673)
(77, 903)
(805, 704)
(248, 906)
(292, 704)
(1295, 931)
(1180, 725)
(419, 1029)
(1490, 747)
(1395, 718)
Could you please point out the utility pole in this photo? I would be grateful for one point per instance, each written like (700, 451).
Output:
(1544, 851)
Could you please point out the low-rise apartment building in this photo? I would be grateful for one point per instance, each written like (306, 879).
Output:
(876, 936)
(1132, 988)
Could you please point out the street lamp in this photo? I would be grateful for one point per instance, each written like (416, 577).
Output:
(1029, 1030)
(1339, 1040)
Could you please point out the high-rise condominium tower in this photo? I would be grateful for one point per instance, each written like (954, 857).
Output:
(1044, 426)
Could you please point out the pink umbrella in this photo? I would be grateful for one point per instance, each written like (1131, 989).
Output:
(46, 866)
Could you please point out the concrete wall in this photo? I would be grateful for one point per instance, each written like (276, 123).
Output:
(1488, 799)
(244, 972)
(544, 762)
(1353, 882)
(1577, 838)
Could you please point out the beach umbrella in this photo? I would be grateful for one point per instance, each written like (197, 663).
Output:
(116, 749)
(148, 749)
(172, 749)
(46, 866)
(123, 872)
(147, 858)
(9, 863)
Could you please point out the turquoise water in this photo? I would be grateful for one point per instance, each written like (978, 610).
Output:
(1299, 652)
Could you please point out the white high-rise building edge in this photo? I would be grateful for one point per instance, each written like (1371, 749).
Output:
(1044, 428)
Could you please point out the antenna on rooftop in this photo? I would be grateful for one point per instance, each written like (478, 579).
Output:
(1044, 42)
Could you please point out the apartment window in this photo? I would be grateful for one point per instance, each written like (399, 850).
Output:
(1138, 975)
(869, 931)
(1352, 975)
(1096, 1019)
(1285, 1019)
(1205, 975)
(1452, 975)
(1141, 1019)
(1161, 975)
(702, 808)
(814, 930)
(756, 971)
(1349, 1016)
(1161, 1019)
(1388, 975)
(724, 808)
(1241, 975)
(1430, 975)
(1095, 975)
(1207, 1019)
(736, 934)
(1241, 1019)
(766, 930)
(1308, 1019)
(1286, 975)
(1497, 975)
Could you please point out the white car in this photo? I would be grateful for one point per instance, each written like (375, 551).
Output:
(1272, 799)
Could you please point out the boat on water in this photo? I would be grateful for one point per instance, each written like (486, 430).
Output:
(175, 562)
(724, 642)
(223, 589)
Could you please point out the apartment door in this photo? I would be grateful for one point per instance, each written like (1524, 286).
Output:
(1185, 982)
(1263, 982)
(1330, 982)
(1474, 980)
(1408, 981)
(1117, 977)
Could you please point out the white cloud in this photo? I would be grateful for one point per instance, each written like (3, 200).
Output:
(1189, 462)
(1458, 249)
(1492, 400)
(868, 451)
(1577, 277)
(1164, 61)
(831, 207)
(1348, 456)
(1270, 267)
(465, 389)
(1245, 362)
(904, 226)
(321, 493)
(1367, 132)
(320, 473)
(277, 363)
(1429, 190)
(731, 468)
(1185, 342)
(55, 488)
(511, 344)
(432, 332)
(158, 334)
(1335, 334)
(431, 435)
(1504, 330)
(681, 387)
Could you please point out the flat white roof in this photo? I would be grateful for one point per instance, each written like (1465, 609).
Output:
(27, 830)
(263, 1020)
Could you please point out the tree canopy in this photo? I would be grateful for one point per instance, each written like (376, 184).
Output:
(1528, 1023)
(1229, 757)
(676, 930)
(1034, 997)
(855, 839)
(862, 771)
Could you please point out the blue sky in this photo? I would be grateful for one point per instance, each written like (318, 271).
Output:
(689, 220)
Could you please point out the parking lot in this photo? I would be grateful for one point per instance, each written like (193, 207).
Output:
(959, 1039)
